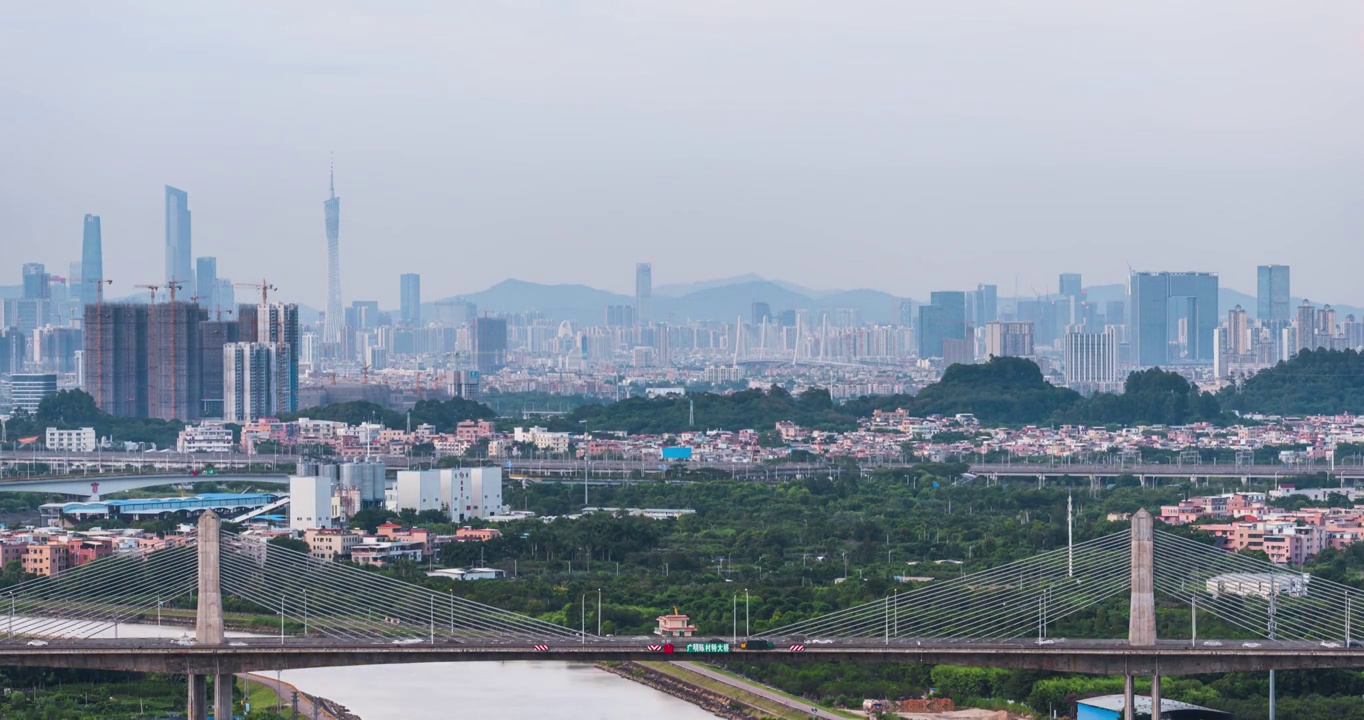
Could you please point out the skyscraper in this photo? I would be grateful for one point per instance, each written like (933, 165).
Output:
(644, 293)
(985, 305)
(1162, 303)
(179, 251)
(1271, 294)
(331, 330)
(37, 282)
(489, 341)
(410, 312)
(92, 262)
(1070, 285)
(206, 280)
(944, 318)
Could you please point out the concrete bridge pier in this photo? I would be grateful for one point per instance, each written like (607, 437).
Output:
(198, 698)
(208, 625)
(1155, 697)
(1129, 698)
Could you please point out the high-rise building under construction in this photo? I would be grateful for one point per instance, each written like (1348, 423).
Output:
(144, 360)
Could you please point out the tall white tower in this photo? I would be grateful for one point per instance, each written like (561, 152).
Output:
(331, 330)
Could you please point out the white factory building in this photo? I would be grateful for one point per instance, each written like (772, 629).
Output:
(464, 493)
(310, 503)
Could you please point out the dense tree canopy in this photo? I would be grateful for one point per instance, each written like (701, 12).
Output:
(443, 414)
(70, 409)
(1324, 382)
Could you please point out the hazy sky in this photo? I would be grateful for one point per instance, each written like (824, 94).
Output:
(908, 145)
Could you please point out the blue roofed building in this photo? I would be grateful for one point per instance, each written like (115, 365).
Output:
(1110, 707)
(226, 504)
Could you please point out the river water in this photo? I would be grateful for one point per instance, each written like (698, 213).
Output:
(442, 691)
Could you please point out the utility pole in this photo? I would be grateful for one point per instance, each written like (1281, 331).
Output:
(1070, 536)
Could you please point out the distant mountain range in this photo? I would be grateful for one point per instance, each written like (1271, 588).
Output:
(733, 297)
(723, 299)
(701, 301)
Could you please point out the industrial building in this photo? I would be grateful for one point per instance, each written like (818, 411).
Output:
(1110, 707)
(464, 493)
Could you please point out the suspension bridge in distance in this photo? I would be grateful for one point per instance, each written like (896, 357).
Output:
(333, 614)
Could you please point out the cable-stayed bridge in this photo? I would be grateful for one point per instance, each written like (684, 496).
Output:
(1009, 616)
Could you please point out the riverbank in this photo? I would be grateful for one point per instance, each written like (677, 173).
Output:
(281, 695)
(718, 704)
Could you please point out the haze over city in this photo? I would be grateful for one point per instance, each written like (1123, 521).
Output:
(900, 146)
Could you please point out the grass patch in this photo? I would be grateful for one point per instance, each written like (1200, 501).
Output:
(783, 693)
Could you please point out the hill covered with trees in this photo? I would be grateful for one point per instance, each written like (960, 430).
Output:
(1314, 382)
(1003, 391)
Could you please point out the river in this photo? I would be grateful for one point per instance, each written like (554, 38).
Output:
(440, 691)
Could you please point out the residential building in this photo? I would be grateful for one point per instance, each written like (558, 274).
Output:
(206, 437)
(1008, 339)
(251, 382)
(277, 325)
(330, 544)
(384, 553)
(46, 558)
(82, 440)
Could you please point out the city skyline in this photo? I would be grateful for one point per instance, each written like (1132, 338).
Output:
(1032, 139)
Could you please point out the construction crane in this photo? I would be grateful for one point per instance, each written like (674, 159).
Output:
(263, 286)
(171, 286)
(99, 362)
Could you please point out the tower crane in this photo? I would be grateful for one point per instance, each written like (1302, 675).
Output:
(263, 286)
(171, 286)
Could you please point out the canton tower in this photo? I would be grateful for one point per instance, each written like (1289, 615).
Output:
(331, 329)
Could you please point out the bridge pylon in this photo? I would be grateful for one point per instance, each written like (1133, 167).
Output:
(208, 621)
(1141, 624)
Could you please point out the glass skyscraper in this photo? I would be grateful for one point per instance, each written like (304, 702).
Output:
(92, 261)
(178, 249)
(1271, 296)
(1174, 316)
(410, 309)
(944, 318)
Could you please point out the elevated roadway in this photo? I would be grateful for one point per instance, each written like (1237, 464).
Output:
(1095, 657)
